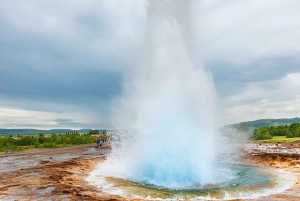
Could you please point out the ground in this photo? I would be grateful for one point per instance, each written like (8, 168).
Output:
(59, 174)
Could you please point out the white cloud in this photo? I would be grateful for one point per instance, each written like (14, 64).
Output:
(243, 31)
(19, 118)
(77, 119)
(88, 30)
(270, 99)
(51, 38)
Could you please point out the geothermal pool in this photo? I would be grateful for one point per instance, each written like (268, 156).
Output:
(166, 116)
(246, 181)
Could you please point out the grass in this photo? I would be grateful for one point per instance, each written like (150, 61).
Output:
(34, 134)
(32, 148)
(280, 139)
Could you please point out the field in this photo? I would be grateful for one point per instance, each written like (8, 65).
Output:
(280, 139)
(55, 140)
(46, 133)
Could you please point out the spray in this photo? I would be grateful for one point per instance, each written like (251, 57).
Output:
(167, 106)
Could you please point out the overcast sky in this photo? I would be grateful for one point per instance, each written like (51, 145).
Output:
(61, 62)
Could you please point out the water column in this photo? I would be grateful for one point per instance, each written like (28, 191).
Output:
(168, 105)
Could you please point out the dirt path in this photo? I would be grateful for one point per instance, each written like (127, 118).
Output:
(32, 152)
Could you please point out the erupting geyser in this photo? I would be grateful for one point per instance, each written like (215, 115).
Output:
(168, 106)
(167, 114)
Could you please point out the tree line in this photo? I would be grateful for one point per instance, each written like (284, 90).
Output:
(267, 132)
(97, 132)
(45, 141)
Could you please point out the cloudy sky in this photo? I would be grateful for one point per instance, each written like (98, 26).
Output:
(61, 62)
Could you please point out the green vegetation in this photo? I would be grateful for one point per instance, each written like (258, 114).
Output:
(45, 141)
(268, 132)
(269, 122)
(97, 132)
(7, 132)
(281, 139)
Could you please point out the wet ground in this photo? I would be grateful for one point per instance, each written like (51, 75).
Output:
(283, 156)
(59, 174)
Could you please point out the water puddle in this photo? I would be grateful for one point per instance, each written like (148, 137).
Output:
(94, 151)
(12, 198)
(44, 191)
(58, 197)
(34, 174)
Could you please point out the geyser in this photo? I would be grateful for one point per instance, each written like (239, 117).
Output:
(166, 114)
(168, 106)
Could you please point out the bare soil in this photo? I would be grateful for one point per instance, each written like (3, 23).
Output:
(59, 174)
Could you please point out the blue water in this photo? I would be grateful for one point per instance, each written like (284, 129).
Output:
(241, 176)
(245, 182)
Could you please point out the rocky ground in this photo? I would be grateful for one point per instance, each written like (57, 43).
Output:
(51, 175)
(59, 174)
(284, 156)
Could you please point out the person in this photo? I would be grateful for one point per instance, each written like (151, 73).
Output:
(98, 142)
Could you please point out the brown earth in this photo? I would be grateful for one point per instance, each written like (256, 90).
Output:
(288, 160)
(52, 179)
(289, 145)
(60, 174)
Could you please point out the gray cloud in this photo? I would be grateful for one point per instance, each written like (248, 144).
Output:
(267, 99)
(57, 57)
(231, 78)
(67, 122)
(63, 57)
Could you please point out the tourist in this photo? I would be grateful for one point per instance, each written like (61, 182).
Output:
(98, 142)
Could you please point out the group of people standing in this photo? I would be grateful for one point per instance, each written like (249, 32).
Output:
(100, 142)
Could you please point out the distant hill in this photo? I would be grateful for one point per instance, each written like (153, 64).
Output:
(4, 131)
(243, 126)
(267, 122)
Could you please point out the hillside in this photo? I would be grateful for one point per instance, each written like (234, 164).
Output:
(267, 122)
(243, 125)
(4, 131)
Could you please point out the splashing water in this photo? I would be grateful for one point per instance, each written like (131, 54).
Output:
(168, 107)
(167, 112)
